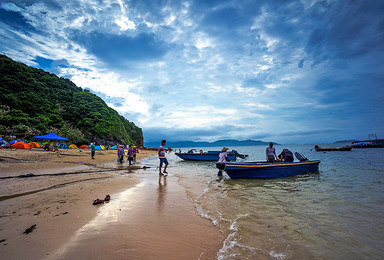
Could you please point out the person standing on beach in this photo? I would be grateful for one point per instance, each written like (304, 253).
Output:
(93, 150)
(163, 159)
(130, 154)
(270, 153)
(134, 153)
(223, 158)
(120, 154)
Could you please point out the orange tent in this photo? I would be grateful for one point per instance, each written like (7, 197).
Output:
(20, 145)
(84, 147)
(34, 145)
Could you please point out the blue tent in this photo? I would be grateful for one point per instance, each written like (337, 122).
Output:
(63, 146)
(51, 136)
(98, 147)
(17, 140)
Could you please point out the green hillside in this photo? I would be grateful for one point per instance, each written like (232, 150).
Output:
(36, 102)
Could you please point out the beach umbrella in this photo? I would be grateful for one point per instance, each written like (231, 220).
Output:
(20, 145)
(34, 145)
(51, 136)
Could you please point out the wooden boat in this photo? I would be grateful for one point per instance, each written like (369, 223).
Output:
(208, 156)
(265, 170)
(344, 148)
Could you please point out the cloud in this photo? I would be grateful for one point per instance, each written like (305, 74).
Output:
(277, 70)
(253, 83)
(117, 50)
(10, 15)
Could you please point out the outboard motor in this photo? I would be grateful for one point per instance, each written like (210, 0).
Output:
(301, 157)
(242, 156)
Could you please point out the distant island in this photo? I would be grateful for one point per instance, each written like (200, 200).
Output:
(220, 143)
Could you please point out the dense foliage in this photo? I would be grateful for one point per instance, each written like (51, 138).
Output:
(35, 102)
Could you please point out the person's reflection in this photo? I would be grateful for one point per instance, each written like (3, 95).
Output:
(162, 190)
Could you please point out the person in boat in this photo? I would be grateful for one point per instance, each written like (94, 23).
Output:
(285, 156)
(270, 153)
(223, 158)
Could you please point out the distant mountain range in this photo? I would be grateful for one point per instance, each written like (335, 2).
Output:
(220, 143)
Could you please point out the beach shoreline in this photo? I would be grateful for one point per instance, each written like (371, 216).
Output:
(51, 195)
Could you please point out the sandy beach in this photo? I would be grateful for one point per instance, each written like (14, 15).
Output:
(46, 209)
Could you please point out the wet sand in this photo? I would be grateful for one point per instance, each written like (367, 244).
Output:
(145, 219)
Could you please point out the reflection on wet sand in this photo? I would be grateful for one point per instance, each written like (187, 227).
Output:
(161, 192)
(154, 210)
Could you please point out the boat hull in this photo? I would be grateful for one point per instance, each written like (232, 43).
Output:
(369, 146)
(258, 170)
(204, 156)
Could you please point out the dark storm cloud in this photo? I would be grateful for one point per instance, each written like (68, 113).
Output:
(347, 30)
(117, 50)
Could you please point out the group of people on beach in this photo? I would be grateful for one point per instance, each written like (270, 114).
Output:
(285, 156)
(131, 154)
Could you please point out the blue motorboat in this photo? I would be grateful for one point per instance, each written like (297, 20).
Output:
(208, 156)
(266, 170)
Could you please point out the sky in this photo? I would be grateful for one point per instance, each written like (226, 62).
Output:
(286, 71)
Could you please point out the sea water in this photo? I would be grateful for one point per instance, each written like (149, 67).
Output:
(336, 213)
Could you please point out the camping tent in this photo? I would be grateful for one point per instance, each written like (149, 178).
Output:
(5, 144)
(98, 147)
(102, 147)
(73, 146)
(84, 146)
(20, 145)
(17, 140)
(63, 146)
(34, 145)
(51, 136)
(114, 147)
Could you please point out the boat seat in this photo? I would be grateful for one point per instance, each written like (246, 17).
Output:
(301, 157)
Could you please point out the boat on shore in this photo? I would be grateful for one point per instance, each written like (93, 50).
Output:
(208, 156)
(344, 148)
(266, 170)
